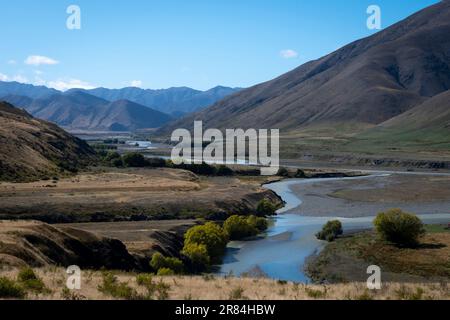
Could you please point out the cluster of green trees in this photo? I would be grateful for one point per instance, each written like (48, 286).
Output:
(131, 160)
(240, 227)
(204, 245)
(137, 160)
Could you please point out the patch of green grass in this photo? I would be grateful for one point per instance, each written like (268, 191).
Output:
(30, 281)
(316, 294)
(111, 286)
(408, 294)
(436, 228)
(9, 289)
(237, 294)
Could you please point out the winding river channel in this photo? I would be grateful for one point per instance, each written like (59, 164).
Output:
(282, 251)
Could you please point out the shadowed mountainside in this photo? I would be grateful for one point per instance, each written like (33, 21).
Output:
(32, 148)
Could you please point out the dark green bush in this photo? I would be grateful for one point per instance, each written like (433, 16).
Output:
(201, 169)
(118, 163)
(265, 208)
(156, 162)
(223, 170)
(9, 289)
(283, 172)
(399, 227)
(330, 231)
(300, 174)
(134, 159)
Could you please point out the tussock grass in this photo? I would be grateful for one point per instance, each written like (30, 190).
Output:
(107, 285)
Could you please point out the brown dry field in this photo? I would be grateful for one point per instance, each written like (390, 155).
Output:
(113, 194)
(231, 288)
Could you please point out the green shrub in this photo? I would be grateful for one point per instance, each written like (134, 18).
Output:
(300, 174)
(144, 279)
(9, 289)
(283, 172)
(160, 262)
(399, 227)
(111, 156)
(29, 280)
(197, 255)
(259, 223)
(212, 236)
(330, 231)
(134, 159)
(201, 169)
(111, 286)
(316, 294)
(156, 162)
(223, 170)
(118, 163)
(238, 227)
(265, 208)
(165, 272)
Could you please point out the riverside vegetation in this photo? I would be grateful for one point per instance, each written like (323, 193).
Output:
(204, 245)
(405, 249)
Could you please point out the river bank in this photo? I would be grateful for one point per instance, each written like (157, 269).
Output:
(282, 252)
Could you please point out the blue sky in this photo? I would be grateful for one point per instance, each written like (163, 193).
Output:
(166, 43)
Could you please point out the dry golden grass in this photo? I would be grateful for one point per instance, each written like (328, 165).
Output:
(230, 288)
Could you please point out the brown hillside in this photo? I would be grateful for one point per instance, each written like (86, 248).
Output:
(368, 81)
(32, 148)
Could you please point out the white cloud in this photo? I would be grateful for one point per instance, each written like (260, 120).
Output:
(64, 85)
(38, 72)
(136, 83)
(40, 60)
(3, 77)
(288, 54)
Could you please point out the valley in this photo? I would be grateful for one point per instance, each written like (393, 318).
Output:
(87, 176)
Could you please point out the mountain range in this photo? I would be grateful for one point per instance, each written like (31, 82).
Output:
(80, 111)
(174, 101)
(394, 79)
(126, 109)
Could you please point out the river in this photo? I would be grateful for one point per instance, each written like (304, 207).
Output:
(281, 252)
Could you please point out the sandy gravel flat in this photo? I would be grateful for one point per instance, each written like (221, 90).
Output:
(419, 194)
